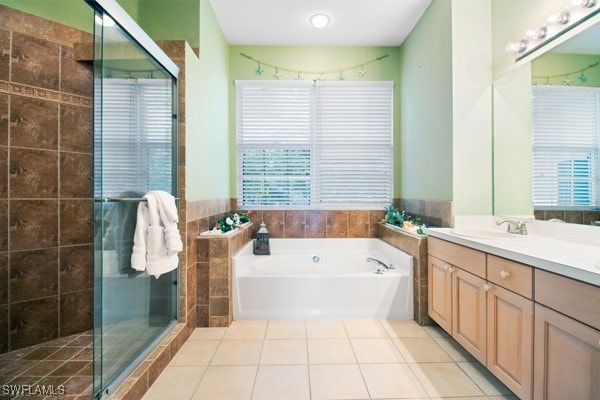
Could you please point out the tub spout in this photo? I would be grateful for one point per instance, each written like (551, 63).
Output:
(379, 263)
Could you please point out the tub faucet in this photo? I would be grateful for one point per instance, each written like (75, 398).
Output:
(515, 227)
(380, 264)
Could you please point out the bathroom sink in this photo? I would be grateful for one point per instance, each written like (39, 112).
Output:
(488, 234)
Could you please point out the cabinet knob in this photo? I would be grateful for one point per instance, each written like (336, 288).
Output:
(487, 287)
(448, 268)
(504, 274)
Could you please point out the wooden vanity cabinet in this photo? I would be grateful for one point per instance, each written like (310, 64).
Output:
(440, 292)
(567, 339)
(567, 358)
(492, 310)
(510, 339)
(469, 313)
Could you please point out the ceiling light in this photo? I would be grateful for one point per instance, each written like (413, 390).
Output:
(319, 20)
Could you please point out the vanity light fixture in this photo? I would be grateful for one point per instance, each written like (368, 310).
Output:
(584, 3)
(319, 20)
(559, 18)
(555, 24)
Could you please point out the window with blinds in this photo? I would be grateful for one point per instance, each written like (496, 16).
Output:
(136, 136)
(566, 147)
(304, 144)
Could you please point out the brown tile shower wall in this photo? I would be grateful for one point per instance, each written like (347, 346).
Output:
(45, 182)
(416, 246)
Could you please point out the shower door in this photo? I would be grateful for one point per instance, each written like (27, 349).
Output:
(135, 148)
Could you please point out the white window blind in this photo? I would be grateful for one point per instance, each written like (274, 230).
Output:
(136, 140)
(314, 145)
(566, 147)
(353, 144)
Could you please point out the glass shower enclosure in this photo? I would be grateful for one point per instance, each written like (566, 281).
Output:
(135, 151)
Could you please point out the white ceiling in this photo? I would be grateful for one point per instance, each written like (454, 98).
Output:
(285, 22)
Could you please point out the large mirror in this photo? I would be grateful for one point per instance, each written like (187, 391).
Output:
(546, 138)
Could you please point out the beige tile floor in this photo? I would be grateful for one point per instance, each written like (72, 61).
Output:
(353, 359)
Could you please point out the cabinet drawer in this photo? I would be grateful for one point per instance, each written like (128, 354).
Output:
(510, 275)
(576, 299)
(470, 260)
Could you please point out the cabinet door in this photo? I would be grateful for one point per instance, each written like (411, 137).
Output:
(469, 313)
(510, 339)
(567, 358)
(440, 293)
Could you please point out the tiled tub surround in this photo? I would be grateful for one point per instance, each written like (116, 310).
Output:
(314, 224)
(432, 212)
(214, 254)
(416, 246)
(569, 216)
(45, 182)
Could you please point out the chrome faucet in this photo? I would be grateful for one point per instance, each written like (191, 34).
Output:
(516, 227)
(380, 265)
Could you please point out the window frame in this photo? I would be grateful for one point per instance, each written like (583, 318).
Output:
(314, 204)
(541, 148)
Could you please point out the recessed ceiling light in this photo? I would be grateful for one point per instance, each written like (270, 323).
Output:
(319, 20)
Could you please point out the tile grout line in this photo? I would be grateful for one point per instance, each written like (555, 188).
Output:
(259, 359)
(306, 346)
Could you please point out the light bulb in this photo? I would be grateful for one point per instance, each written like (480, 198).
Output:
(536, 34)
(319, 20)
(583, 3)
(516, 47)
(560, 18)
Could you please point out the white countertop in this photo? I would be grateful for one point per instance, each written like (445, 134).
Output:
(571, 259)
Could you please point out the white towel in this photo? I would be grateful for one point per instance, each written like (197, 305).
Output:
(156, 220)
(169, 218)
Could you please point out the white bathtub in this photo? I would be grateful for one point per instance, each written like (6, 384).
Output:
(341, 285)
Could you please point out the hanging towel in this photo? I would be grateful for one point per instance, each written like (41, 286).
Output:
(169, 218)
(155, 218)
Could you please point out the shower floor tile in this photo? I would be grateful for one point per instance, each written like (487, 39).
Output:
(66, 361)
(324, 360)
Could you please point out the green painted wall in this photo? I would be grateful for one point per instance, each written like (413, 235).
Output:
(314, 59)
(207, 107)
(551, 64)
(425, 106)
(512, 143)
(75, 13)
(171, 20)
(471, 107)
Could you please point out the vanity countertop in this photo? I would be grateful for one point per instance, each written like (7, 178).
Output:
(571, 259)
